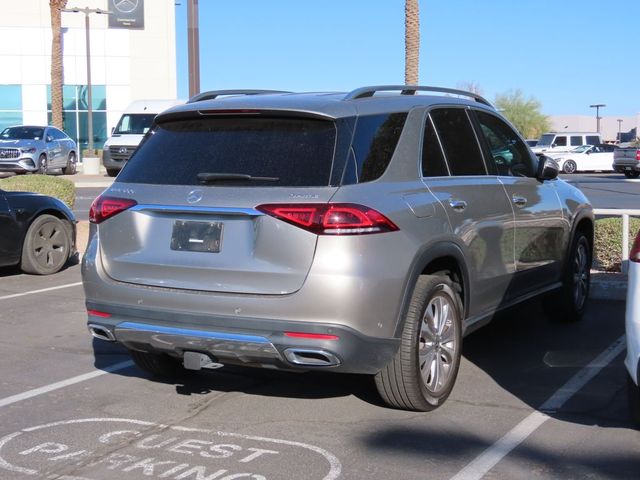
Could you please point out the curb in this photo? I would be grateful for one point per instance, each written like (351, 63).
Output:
(608, 286)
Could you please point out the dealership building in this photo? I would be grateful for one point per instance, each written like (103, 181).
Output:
(133, 57)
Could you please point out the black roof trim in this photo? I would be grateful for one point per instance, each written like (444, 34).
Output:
(366, 92)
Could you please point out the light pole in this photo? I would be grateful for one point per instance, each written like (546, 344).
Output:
(597, 106)
(193, 45)
(88, 11)
(619, 130)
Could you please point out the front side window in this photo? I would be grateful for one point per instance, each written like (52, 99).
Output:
(458, 139)
(290, 151)
(576, 140)
(593, 139)
(509, 152)
(560, 141)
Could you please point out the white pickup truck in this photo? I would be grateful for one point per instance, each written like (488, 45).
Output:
(627, 161)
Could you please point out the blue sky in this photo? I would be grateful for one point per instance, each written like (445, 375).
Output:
(568, 54)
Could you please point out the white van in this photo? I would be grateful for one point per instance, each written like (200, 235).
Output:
(126, 136)
(565, 141)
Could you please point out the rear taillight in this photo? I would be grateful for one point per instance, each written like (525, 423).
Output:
(638, 155)
(634, 254)
(331, 218)
(106, 207)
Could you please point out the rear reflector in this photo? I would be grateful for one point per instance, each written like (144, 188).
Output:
(311, 336)
(634, 254)
(97, 313)
(103, 208)
(331, 218)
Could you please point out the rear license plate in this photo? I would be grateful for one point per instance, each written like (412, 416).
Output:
(196, 236)
(627, 168)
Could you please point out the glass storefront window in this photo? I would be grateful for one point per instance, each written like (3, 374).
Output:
(10, 105)
(8, 119)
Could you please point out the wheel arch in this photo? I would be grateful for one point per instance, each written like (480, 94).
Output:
(443, 258)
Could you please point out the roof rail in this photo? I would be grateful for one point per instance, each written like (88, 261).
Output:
(210, 95)
(365, 92)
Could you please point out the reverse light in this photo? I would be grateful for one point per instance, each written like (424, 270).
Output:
(311, 336)
(331, 218)
(634, 254)
(103, 208)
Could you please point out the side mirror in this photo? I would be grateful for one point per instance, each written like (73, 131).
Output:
(548, 168)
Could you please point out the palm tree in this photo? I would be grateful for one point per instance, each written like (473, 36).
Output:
(56, 61)
(411, 41)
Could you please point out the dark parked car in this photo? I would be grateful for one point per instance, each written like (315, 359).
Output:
(37, 149)
(37, 232)
(363, 232)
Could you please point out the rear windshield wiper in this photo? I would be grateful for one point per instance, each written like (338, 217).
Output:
(206, 177)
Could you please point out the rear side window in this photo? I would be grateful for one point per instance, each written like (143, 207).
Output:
(374, 142)
(593, 140)
(459, 142)
(298, 152)
(433, 163)
(576, 140)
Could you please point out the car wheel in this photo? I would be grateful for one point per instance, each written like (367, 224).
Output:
(634, 400)
(112, 172)
(631, 174)
(157, 364)
(46, 246)
(422, 373)
(568, 304)
(43, 165)
(71, 167)
(569, 166)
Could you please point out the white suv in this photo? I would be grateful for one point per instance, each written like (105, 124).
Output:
(565, 141)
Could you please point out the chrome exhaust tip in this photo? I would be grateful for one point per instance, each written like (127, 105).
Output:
(103, 333)
(311, 357)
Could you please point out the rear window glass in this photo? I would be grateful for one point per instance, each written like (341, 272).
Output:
(298, 152)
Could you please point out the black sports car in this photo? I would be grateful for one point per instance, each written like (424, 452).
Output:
(36, 231)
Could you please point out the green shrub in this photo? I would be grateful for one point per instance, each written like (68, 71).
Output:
(60, 188)
(608, 242)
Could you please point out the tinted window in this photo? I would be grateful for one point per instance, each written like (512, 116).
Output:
(593, 139)
(299, 152)
(433, 164)
(374, 142)
(545, 140)
(458, 141)
(508, 151)
(576, 140)
(560, 141)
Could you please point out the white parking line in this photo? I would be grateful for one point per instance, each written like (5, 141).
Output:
(15, 295)
(64, 383)
(481, 465)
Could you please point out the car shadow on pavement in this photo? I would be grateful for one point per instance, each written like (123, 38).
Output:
(532, 357)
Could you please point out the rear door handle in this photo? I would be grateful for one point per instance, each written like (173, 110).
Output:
(458, 205)
(519, 201)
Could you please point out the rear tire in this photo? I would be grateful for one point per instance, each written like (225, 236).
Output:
(422, 374)
(569, 166)
(157, 364)
(46, 246)
(568, 304)
(112, 172)
(634, 400)
(631, 174)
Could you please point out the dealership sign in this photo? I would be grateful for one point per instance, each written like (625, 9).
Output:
(126, 14)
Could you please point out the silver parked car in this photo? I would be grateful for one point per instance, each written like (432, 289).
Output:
(34, 149)
(364, 232)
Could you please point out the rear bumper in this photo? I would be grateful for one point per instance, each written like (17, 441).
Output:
(631, 167)
(262, 343)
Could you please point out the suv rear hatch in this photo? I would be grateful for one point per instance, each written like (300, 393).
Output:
(182, 213)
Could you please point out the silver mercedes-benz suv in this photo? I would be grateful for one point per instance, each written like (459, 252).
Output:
(364, 232)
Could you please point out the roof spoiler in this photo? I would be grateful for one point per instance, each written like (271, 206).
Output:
(212, 94)
(365, 92)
